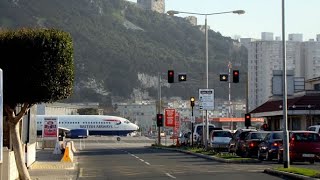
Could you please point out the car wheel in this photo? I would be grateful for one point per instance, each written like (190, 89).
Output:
(259, 156)
(311, 161)
(279, 159)
(268, 157)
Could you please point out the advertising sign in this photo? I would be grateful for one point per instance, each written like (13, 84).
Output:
(50, 128)
(170, 117)
(1, 117)
(206, 99)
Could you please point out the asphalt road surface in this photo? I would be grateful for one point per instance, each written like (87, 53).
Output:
(109, 159)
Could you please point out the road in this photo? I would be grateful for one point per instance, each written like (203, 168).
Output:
(112, 160)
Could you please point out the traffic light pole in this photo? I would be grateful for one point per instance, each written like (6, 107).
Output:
(159, 109)
(191, 125)
(229, 113)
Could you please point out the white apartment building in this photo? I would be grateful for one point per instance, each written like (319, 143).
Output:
(264, 56)
(141, 113)
(312, 58)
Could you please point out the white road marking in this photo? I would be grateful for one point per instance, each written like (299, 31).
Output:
(147, 163)
(170, 176)
(142, 160)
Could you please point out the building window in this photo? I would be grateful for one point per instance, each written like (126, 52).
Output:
(317, 87)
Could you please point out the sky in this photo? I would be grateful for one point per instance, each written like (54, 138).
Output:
(301, 16)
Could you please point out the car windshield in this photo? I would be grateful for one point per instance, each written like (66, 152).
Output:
(199, 129)
(306, 137)
(222, 134)
(277, 135)
(258, 135)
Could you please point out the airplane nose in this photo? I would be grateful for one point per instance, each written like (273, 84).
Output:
(137, 127)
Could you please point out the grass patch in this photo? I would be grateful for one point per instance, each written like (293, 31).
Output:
(231, 156)
(301, 171)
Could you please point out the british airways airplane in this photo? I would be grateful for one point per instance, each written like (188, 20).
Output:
(96, 124)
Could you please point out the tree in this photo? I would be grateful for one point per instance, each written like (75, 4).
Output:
(37, 68)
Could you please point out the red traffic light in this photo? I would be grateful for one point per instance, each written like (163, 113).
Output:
(170, 76)
(235, 76)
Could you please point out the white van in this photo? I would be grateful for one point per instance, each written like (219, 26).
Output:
(198, 128)
(315, 128)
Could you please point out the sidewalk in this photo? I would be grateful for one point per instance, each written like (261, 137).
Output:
(49, 167)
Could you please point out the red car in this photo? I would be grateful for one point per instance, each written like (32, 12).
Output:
(303, 146)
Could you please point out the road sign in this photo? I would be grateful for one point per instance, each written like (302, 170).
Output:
(50, 128)
(170, 117)
(206, 99)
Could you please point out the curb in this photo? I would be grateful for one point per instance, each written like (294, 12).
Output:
(210, 157)
(283, 174)
(52, 165)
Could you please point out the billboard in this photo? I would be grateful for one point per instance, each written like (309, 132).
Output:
(170, 117)
(50, 128)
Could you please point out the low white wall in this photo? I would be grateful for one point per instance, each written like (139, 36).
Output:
(31, 154)
(9, 168)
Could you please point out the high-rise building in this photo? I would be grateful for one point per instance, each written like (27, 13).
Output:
(295, 37)
(311, 59)
(267, 36)
(264, 56)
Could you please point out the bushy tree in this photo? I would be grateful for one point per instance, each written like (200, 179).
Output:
(37, 68)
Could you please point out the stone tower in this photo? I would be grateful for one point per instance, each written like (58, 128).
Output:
(154, 5)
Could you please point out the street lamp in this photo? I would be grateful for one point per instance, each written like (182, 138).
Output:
(172, 13)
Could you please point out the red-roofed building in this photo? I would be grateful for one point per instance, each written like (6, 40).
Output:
(303, 111)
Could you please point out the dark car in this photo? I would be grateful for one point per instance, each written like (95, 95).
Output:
(303, 146)
(268, 148)
(249, 146)
(238, 137)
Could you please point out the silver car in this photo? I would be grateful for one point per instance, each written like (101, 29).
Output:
(220, 139)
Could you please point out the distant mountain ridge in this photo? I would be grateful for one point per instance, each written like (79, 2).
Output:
(120, 49)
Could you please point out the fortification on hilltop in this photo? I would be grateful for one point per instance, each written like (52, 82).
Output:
(154, 5)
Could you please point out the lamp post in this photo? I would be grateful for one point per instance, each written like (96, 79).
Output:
(172, 13)
(286, 156)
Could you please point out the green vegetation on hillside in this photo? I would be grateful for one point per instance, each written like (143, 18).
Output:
(109, 54)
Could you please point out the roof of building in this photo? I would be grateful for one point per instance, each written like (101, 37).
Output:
(305, 102)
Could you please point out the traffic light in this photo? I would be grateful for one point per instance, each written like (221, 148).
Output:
(265, 127)
(159, 120)
(170, 76)
(182, 77)
(192, 99)
(224, 77)
(235, 76)
(247, 120)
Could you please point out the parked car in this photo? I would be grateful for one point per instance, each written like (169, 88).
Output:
(220, 139)
(268, 148)
(237, 137)
(315, 128)
(198, 129)
(249, 146)
(184, 138)
(303, 146)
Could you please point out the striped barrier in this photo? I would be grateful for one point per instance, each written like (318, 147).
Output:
(68, 153)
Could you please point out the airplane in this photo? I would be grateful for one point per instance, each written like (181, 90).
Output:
(95, 124)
